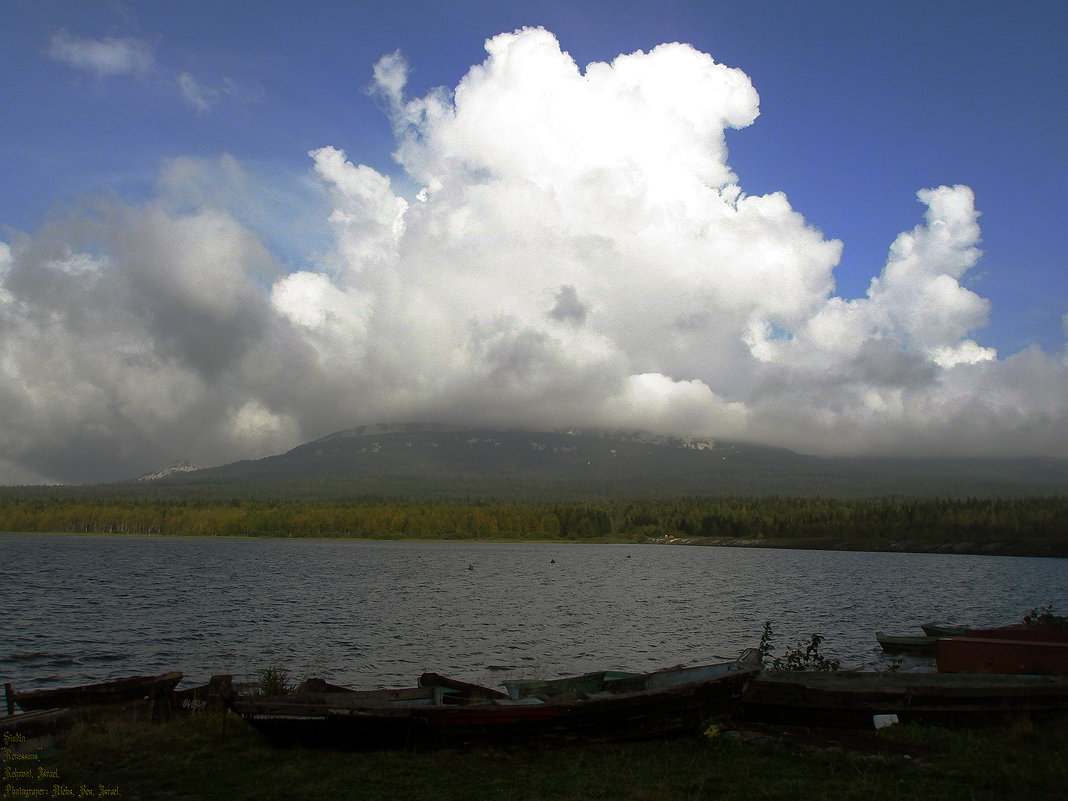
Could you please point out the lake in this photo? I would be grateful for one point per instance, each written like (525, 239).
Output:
(376, 614)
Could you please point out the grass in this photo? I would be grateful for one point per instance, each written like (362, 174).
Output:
(194, 758)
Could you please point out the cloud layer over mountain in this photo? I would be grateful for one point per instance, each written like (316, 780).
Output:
(579, 253)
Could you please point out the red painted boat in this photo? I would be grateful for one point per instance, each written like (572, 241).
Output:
(1019, 632)
(443, 712)
(852, 699)
(1010, 656)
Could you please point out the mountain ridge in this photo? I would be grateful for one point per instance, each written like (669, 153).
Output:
(424, 460)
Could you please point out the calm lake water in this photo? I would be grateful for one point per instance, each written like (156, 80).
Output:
(370, 614)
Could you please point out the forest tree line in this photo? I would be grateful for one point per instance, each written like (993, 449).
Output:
(704, 519)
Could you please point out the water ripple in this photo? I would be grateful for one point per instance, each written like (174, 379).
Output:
(375, 614)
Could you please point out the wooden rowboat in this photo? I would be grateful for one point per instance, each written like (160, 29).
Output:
(940, 630)
(442, 712)
(210, 696)
(586, 684)
(26, 732)
(916, 646)
(1016, 631)
(1028, 633)
(315, 686)
(117, 691)
(851, 699)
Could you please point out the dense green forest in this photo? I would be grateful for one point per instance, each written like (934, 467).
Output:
(1007, 525)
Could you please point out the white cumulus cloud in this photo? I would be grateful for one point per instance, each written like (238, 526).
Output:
(579, 252)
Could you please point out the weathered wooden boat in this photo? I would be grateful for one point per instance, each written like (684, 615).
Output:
(210, 696)
(585, 684)
(941, 630)
(314, 686)
(675, 676)
(913, 645)
(851, 699)
(26, 732)
(1020, 632)
(103, 693)
(443, 712)
(1016, 631)
(1006, 656)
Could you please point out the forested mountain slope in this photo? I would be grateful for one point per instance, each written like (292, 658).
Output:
(435, 462)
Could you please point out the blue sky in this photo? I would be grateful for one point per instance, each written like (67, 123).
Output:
(113, 111)
(861, 105)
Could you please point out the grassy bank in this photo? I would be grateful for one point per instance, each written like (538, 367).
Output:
(195, 759)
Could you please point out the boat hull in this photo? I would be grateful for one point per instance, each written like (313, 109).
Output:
(1027, 633)
(585, 684)
(210, 696)
(353, 721)
(631, 717)
(939, 630)
(850, 699)
(914, 646)
(117, 691)
(26, 732)
(1004, 656)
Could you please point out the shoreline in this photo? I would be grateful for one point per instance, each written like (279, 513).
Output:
(997, 548)
(1003, 548)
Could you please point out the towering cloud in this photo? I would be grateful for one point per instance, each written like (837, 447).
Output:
(580, 253)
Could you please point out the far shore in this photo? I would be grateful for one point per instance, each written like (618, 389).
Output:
(1005, 548)
(1001, 548)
